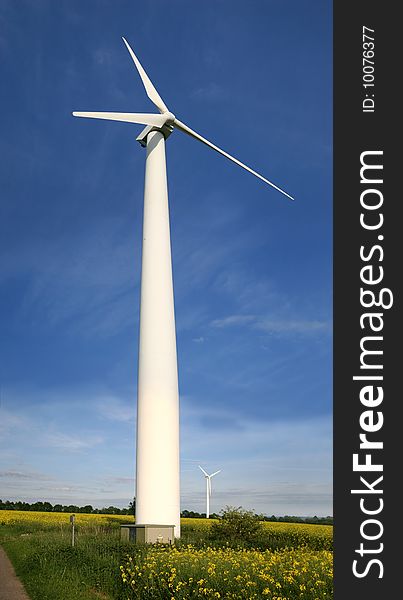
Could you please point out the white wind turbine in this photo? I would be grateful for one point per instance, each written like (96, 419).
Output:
(208, 489)
(157, 452)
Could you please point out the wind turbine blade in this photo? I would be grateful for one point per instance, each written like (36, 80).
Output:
(182, 127)
(139, 118)
(215, 473)
(201, 469)
(150, 89)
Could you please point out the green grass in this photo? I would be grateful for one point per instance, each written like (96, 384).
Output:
(51, 569)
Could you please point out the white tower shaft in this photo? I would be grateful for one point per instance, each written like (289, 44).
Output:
(208, 484)
(157, 468)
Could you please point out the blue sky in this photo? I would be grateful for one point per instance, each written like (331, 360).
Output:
(252, 270)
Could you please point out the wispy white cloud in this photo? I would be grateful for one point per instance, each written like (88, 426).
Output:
(122, 480)
(69, 420)
(71, 443)
(233, 320)
(102, 56)
(114, 409)
(273, 325)
(24, 475)
(293, 326)
(11, 421)
(209, 92)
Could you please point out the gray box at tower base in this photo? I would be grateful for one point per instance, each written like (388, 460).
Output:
(147, 534)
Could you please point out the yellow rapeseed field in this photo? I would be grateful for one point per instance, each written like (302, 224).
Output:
(51, 519)
(319, 537)
(229, 574)
(8, 517)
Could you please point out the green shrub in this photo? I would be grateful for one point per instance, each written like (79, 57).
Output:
(237, 526)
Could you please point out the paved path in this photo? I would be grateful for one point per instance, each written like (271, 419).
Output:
(11, 587)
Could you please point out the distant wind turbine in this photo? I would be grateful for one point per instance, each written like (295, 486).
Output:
(208, 489)
(157, 468)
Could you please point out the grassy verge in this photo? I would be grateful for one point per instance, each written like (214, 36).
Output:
(52, 570)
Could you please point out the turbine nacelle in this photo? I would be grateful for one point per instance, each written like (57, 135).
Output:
(166, 129)
(170, 117)
(165, 122)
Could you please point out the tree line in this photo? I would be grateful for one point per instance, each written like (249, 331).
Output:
(190, 514)
(71, 508)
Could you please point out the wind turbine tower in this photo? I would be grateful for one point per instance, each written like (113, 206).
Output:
(157, 449)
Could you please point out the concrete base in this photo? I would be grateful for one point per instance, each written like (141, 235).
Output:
(147, 534)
